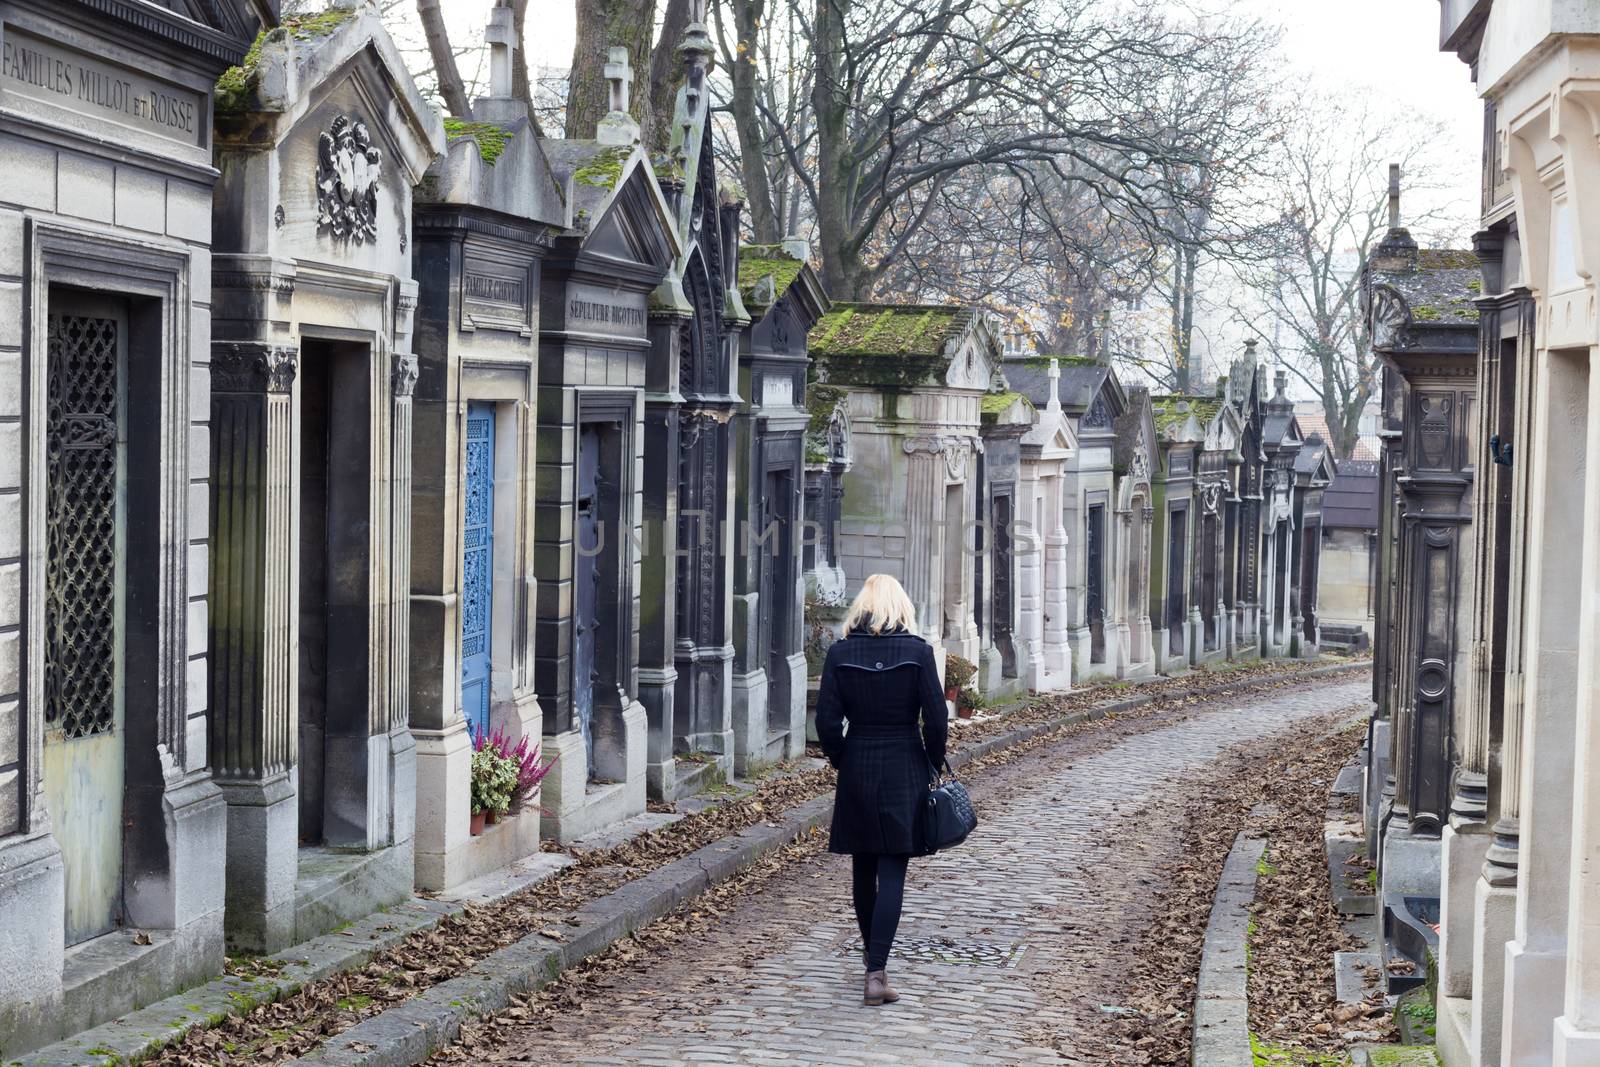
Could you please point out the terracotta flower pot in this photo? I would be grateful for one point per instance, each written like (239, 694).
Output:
(964, 711)
(477, 822)
(952, 693)
(494, 817)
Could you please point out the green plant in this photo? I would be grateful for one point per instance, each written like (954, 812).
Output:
(494, 778)
(968, 697)
(958, 671)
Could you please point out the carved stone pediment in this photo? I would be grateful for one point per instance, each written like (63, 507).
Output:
(969, 370)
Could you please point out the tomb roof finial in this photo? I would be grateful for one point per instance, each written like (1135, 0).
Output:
(1397, 251)
(1394, 196)
(618, 127)
(502, 40)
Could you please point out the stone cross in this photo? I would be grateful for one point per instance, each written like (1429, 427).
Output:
(618, 127)
(1054, 403)
(1394, 196)
(620, 75)
(502, 39)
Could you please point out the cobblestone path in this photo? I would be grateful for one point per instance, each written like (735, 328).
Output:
(1010, 944)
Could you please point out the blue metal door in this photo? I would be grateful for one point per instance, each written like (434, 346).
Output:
(477, 568)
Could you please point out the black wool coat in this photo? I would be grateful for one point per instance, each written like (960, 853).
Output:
(876, 691)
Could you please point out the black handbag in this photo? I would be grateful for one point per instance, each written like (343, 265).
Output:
(950, 817)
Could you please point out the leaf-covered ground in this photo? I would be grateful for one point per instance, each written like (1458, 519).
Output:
(1295, 930)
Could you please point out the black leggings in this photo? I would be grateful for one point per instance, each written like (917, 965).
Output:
(879, 889)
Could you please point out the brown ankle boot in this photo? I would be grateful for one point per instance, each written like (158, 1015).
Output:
(877, 990)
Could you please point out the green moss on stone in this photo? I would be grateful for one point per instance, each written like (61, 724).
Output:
(821, 401)
(236, 87)
(760, 261)
(1425, 313)
(604, 169)
(491, 138)
(886, 329)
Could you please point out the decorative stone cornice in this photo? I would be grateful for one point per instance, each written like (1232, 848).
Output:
(955, 450)
(254, 282)
(253, 367)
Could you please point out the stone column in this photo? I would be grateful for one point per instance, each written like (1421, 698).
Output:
(1536, 960)
(253, 734)
(658, 673)
(402, 776)
(1058, 653)
(1577, 1030)
(924, 562)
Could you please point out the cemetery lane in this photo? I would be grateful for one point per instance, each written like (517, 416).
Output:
(1015, 947)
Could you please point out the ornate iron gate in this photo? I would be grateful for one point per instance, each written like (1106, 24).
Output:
(1208, 580)
(83, 758)
(477, 569)
(586, 583)
(1177, 538)
(1095, 551)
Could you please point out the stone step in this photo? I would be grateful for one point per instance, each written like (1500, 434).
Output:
(1349, 781)
(1340, 847)
(1350, 981)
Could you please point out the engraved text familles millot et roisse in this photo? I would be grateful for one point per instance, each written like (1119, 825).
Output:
(44, 70)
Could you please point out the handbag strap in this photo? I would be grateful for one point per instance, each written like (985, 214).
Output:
(937, 774)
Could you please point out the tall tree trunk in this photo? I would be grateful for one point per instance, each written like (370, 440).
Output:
(747, 18)
(1180, 369)
(842, 273)
(602, 25)
(521, 83)
(451, 88)
(1191, 264)
(666, 74)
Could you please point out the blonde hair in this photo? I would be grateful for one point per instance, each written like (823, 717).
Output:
(881, 605)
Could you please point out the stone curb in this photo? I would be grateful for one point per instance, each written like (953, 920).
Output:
(428, 1021)
(1221, 1002)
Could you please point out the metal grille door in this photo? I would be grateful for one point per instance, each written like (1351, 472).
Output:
(83, 763)
(477, 569)
(81, 525)
(1095, 606)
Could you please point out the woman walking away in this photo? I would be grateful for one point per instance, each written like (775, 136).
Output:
(880, 678)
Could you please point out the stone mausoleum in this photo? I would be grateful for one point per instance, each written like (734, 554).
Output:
(915, 376)
(110, 822)
(595, 356)
(320, 141)
(484, 216)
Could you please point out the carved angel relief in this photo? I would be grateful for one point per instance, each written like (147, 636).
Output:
(1387, 315)
(348, 169)
(1141, 464)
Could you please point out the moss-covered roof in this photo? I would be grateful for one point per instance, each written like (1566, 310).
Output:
(491, 138)
(760, 261)
(236, 88)
(888, 329)
(1038, 362)
(604, 169)
(1203, 408)
(994, 405)
(1446, 259)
